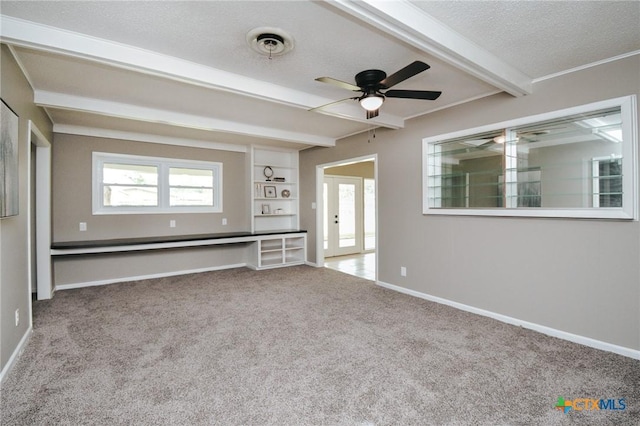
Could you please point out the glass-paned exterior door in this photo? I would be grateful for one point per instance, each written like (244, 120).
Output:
(343, 215)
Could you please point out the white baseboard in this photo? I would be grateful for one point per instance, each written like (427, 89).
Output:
(146, 277)
(586, 341)
(16, 354)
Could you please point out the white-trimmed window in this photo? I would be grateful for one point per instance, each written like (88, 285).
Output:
(579, 162)
(130, 184)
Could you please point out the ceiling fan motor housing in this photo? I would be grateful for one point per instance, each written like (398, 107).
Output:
(370, 79)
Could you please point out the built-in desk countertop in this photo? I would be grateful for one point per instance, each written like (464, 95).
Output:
(170, 241)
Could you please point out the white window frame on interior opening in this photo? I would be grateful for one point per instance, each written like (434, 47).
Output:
(163, 165)
(629, 210)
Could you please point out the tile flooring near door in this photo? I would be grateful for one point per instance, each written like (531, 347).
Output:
(360, 265)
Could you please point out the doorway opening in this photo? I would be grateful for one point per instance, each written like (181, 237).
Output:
(347, 216)
(39, 212)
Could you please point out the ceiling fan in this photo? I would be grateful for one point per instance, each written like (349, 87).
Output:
(372, 83)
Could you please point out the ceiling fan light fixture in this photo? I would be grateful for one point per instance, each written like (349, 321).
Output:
(371, 102)
(373, 82)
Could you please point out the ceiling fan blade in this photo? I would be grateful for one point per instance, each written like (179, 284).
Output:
(372, 114)
(339, 83)
(413, 94)
(405, 73)
(331, 103)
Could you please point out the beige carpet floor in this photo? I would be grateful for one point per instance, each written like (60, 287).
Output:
(296, 346)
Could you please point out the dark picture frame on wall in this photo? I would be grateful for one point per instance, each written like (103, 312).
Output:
(9, 187)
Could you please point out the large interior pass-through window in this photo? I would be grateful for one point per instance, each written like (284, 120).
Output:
(579, 162)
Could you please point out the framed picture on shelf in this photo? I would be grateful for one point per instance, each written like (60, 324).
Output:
(266, 209)
(270, 192)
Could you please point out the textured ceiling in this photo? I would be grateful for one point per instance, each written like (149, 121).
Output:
(544, 37)
(269, 99)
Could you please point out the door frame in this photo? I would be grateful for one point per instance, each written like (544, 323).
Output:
(42, 212)
(320, 203)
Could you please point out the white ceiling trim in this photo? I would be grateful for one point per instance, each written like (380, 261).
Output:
(145, 137)
(464, 101)
(345, 110)
(153, 115)
(411, 24)
(26, 74)
(45, 38)
(586, 66)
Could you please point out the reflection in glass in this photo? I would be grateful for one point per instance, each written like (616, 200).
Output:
(607, 182)
(572, 162)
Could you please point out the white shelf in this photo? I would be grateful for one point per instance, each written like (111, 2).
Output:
(276, 251)
(284, 164)
(262, 166)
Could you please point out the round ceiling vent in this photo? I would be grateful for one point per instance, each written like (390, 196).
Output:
(270, 41)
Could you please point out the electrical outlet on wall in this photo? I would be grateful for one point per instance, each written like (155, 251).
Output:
(172, 223)
(403, 271)
(82, 226)
(17, 316)
(224, 221)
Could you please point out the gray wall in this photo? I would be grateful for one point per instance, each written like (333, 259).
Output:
(120, 267)
(72, 160)
(578, 276)
(14, 268)
(365, 169)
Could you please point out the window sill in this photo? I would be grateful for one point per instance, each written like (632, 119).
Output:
(157, 211)
(615, 214)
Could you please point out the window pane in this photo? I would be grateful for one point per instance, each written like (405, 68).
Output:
(609, 182)
(347, 214)
(574, 163)
(129, 174)
(555, 160)
(191, 177)
(191, 197)
(369, 214)
(467, 172)
(325, 203)
(133, 184)
(550, 164)
(129, 196)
